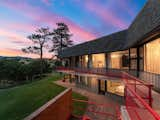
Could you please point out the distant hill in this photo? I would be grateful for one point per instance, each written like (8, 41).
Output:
(15, 58)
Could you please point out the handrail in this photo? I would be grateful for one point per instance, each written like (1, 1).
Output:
(147, 84)
(155, 115)
(106, 70)
(126, 78)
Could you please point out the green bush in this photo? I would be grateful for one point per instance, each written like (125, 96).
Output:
(17, 71)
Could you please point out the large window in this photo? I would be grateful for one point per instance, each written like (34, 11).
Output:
(87, 82)
(152, 56)
(98, 60)
(133, 58)
(85, 61)
(119, 60)
(115, 87)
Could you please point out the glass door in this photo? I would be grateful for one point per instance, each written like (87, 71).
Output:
(102, 86)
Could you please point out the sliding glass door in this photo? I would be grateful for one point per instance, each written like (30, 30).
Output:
(98, 61)
(152, 56)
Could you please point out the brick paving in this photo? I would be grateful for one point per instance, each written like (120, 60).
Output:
(110, 103)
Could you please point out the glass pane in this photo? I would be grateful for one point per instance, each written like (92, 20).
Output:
(98, 60)
(102, 85)
(133, 64)
(141, 63)
(85, 61)
(115, 87)
(133, 52)
(119, 60)
(152, 55)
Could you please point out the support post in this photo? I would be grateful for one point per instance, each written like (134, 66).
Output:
(150, 95)
(138, 61)
(129, 59)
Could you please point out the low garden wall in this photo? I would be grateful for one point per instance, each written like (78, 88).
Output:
(59, 108)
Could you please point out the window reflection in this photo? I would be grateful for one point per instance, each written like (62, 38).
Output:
(119, 60)
(115, 87)
(98, 60)
(151, 57)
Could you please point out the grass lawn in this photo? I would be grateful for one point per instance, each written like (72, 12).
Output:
(79, 105)
(18, 102)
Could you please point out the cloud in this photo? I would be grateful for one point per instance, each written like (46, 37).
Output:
(49, 18)
(10, 52)
(46, 2)
(12, 37)
(105, 14)
(18, 52)
(124, 6)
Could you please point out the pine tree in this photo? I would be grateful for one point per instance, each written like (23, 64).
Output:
(61, 38)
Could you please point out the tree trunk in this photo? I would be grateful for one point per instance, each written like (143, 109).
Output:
(41, 61)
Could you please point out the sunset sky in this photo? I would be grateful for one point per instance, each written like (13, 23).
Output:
(87, 19)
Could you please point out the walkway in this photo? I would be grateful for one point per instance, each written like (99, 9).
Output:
(101, 99)
(156, 101)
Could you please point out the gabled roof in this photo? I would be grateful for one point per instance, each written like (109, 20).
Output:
(109, 43)
(146, 21)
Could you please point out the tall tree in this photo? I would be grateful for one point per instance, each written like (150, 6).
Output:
(40, 40)
(61, 38)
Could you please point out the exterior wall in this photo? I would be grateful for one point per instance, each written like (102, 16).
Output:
(104, 60)
(143, 62)
(88, 61)
(53, 110)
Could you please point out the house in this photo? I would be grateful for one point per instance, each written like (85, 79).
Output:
(135, 50)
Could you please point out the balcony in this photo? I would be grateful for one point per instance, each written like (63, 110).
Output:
(138, 94)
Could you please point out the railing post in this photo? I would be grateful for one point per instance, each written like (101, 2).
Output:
(125, 95)
(150, 95)
(135, 85)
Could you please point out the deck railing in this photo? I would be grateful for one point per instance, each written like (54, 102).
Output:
(138, 93)
(152, 78)
(137, 107)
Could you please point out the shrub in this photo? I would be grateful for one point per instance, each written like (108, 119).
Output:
(17, 71)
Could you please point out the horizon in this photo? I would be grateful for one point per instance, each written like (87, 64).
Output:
(95, 19)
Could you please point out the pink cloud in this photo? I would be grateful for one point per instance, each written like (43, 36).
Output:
(50, 19)
(10, 52)
(22, 27)
(43, 17)
(105, 14)
(18, 52)
(47, 2)
(13, 37)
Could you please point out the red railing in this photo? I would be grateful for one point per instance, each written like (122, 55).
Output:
(138, 93)
(137, 108)
(144, 90)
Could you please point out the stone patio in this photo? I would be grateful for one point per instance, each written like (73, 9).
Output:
(109, 104)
